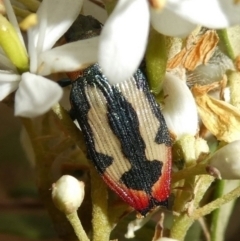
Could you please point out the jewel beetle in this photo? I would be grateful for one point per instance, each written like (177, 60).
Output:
(126, 136)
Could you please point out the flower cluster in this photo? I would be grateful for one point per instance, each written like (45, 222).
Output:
(186, 34)
(23, 70)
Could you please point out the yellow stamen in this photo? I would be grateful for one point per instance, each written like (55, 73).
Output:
(28, 22)
(157, 4)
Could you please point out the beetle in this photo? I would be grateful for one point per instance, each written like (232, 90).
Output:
(126, 136)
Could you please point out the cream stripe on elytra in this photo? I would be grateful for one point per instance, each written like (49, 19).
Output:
(104, 139)
(148, 123)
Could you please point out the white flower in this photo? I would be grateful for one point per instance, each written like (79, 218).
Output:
(68, 194)
(36, 94)
(124, 37)
(68, 57)
(227, 160)
(180, 110)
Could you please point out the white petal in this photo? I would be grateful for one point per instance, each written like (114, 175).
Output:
(226, 160)
(170, 24)
(7, 88)
(180, 111)
(55, 17)
(8, 83)
(123, 39)
(69, 57)
(8, 76)
(36, 95)
(211, 14)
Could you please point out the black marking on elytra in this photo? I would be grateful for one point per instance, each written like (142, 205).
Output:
(153, 203)
(162, 135)
(125, 125)
(80, 108)
(141, 172)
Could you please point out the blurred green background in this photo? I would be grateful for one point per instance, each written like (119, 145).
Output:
(22, 215)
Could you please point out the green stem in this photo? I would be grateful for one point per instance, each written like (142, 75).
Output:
(200, 212)
(100, 221)
(77, 226)
(216, 213)
(184, 221)
(156, 61)
(190, 148)
(69, 127)
(223, 35)
(181, 226)
(101, 225)
(198, 169)
(185, 195)
(220, 217)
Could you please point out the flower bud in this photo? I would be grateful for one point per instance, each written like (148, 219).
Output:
(68, 194)
(227, 160)
(12, 45)
(180, 110)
